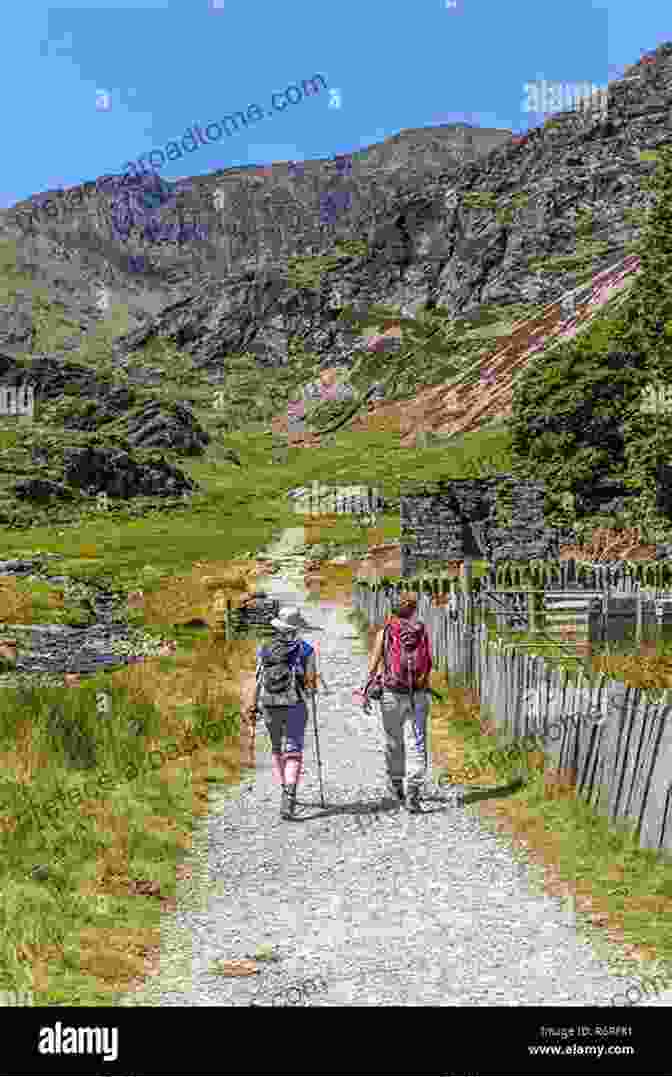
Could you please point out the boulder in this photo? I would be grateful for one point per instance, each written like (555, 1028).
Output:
(41, 490)
(113, 471)
(173, 428)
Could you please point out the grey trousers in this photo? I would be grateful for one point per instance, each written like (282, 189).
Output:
(405, 736)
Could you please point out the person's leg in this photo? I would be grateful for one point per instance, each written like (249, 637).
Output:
(297, 718)
(274, 721)
(391, 709)
(417, 716)
(278, 767)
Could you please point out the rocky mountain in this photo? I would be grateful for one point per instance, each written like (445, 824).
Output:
(215, 297)
(266, 219)
(448, 220)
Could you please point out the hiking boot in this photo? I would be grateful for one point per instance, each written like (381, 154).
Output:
(413, 801)
(288, 806)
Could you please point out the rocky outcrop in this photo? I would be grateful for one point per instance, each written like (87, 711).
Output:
(88, 402)
(116, 473)
(161, 426)
(42, 490)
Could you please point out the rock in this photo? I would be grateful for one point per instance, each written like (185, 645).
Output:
(42, 490)
(115, 472)
(174, 428)
(21, 567)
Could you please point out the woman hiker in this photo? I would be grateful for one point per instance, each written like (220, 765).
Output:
(286, 673)
(404, 703)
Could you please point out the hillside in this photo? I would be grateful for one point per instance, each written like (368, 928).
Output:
(472, 233)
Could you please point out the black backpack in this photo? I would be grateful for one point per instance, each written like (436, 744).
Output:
(281, 677)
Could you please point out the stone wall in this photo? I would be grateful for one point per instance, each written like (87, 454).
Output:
(492, 519)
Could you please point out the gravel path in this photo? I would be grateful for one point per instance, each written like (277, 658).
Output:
(375, 906)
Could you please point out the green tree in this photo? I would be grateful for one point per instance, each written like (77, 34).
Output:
(645, 325)
(567, 425)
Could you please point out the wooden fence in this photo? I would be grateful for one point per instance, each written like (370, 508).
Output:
(588, 617)
(625, 577)
(615, 741)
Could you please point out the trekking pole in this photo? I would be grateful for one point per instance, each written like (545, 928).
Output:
(317, 749)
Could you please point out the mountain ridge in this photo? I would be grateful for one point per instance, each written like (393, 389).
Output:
(429, 234)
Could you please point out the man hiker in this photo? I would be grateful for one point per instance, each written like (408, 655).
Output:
(402, 648)
(286, 673)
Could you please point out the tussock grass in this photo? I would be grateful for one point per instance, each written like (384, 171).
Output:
(133, 779)
(23, 603)
(624, 891)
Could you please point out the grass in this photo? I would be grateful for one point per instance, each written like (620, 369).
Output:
(107, 803)
(242, 509)
(618, 887)
(101, 784)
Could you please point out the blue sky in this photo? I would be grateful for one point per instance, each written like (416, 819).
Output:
(167, 64)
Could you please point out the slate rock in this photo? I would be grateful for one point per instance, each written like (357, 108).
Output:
(42, 490)
(115, 472)
(174, 428)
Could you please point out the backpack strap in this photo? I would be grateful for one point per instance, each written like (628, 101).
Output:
(386, 627)
(302, 660)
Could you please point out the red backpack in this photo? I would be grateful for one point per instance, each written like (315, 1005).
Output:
(407, 657)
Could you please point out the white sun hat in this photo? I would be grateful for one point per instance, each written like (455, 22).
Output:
(291, 617)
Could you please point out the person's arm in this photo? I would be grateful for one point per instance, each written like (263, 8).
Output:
(377, 654)
(426, 682)
(257, 682)
(310, 675)
(248, 696)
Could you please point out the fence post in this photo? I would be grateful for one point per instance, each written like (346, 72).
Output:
(638, 629)
(531, 612)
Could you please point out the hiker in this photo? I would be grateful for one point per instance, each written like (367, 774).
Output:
(286, 673)
(402, 688)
